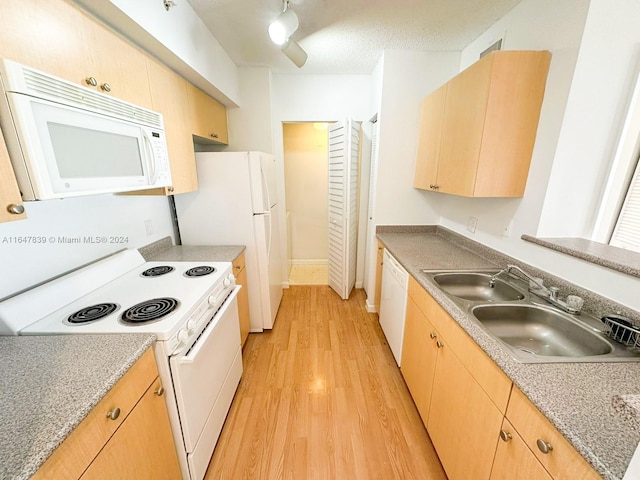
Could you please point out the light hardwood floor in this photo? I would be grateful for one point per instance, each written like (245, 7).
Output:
(322, 398)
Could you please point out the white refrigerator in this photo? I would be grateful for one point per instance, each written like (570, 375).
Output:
(237, 204)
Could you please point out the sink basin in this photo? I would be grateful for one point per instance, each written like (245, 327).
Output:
(540, 331)
(475, 287)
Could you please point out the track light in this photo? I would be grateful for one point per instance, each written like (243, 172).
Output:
(295, 53)
(283, 27)
(280, 32)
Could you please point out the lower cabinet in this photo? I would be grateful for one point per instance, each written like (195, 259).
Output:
(127, 435)
(547, 445)
(514, 459)
(142, 447)
(240, 272)
(480, 426)
(419, 353)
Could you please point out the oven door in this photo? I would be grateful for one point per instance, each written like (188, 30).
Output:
(205, 376)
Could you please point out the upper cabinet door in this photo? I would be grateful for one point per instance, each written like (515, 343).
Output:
(429, 136)
(11, 207)
(462, 130)
(169, 97)
(208, 117)
(60, 39)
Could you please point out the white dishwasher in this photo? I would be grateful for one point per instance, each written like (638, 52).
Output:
(393, 303)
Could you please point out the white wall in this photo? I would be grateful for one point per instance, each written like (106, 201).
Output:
(558, 27)
(178, 37)
(407, 77)
(26, 264)
(605, 73)
(401, 79)
(250, 126)
(315, 98)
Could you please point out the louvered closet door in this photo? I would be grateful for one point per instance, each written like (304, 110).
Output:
(344, 149)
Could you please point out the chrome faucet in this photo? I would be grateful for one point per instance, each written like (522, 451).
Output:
(549, 294)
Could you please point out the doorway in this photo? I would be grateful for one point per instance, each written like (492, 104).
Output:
(306, 191)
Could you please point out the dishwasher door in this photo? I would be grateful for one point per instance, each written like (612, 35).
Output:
(393, 303)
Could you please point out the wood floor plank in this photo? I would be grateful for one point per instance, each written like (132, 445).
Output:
(322, 398)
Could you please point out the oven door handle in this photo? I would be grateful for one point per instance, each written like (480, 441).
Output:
(202, 339)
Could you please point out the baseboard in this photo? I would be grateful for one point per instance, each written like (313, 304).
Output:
(370, 308)
(286, 284)
(359, 284)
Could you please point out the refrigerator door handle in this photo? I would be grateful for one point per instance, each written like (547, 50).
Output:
(269, 221)
(265, 190)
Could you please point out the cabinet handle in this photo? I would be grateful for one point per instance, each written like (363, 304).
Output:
(214, 135)
(544, 447)
(505, 436)
(439, 344)
(433, 336)
(113, 414)
(91, 81)
(105, 87)
(160, 391)
(15, 209)
(238, 267)
(170, 189)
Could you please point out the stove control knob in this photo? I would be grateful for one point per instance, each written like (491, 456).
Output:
(213, 300)
(192, 324)
(183, 335)
(226, 282)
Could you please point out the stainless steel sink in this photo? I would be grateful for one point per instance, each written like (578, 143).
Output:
(475, 286)
(538, 330)
(529, 328)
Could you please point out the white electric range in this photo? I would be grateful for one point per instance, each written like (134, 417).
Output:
(191, 307)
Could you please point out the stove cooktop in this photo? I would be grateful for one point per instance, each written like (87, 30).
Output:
(155, 297)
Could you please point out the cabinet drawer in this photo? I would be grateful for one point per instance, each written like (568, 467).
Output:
(563, 461)
(490, 377)
(73, 456)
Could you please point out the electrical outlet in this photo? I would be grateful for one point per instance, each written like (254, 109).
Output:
(148, 226)
(507, 230)
(472, 223)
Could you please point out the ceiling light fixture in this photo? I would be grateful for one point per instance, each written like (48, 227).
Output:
(283, 27)
(294, 52)
(280, 31)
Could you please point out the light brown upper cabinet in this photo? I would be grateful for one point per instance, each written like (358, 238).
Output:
(208, 117)
(60, 39)
(169, 97)
(11, 207)
(477, 131)
(431, 121)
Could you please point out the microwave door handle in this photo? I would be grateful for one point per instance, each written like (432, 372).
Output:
(151, 158)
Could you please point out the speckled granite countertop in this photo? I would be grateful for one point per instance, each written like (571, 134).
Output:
(577, 398)
(163, 250)
(49, 385)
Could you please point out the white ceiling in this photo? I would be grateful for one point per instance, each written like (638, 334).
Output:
(346, 36)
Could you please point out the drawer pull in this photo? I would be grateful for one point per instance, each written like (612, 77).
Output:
(114, 414)
(160, 391)
(505, 436)
(439, 344)
(214, 135)
(91, 81)
(544, 447)
(433, 336)
(15, 209)
(105, 87)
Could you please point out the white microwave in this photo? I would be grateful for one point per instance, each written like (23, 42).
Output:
(66, 140)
